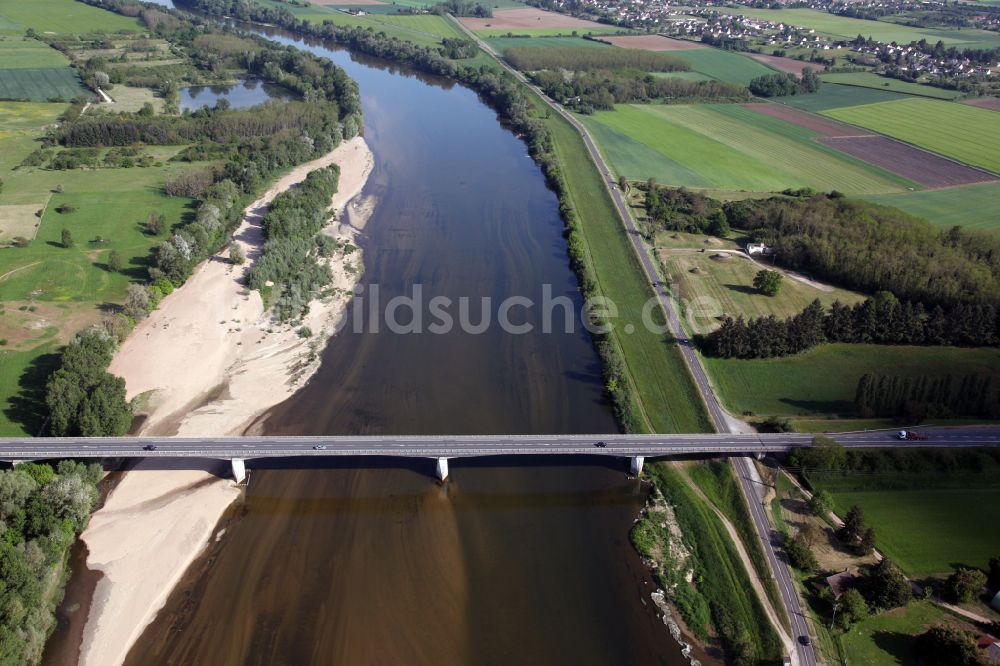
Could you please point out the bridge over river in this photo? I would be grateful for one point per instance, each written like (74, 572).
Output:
(443, 447)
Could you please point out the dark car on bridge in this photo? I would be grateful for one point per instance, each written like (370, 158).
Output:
(600, 445)
(149, 447)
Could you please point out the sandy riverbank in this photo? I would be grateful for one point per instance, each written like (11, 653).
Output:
(208, 361)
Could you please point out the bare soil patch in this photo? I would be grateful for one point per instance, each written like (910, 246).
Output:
(789, 65)
(327, 3)
(19, 220)
(651, 43)
(810, 121)
(907, 161)
(992, 103)
(529, 17)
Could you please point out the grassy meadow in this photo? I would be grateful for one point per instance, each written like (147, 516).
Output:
(710, 287)
(971, 206)
(849, 28)
(824, 380)
(889, 639)
(869, 80)
(17, 52)
(727, 147)
(964, 133)
(928, 532)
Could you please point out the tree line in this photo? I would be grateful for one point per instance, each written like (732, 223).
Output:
(917, 398)
(882, 319)
(783, 84)
(41, 511)
(587, 91)
(868, 247)
(294, 247)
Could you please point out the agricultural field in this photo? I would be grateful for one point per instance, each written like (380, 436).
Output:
(501, 44)
(959, 131)
(423, 29)
(534, 22)
(687, 76)
(973, 206)
(711, 284)
(869, 80)
(823, 381)
(849, 28)
(929, 531)
(727, 147)
(59, 16)
(18, 52)
(42, 84)
(723, 65)
(835, 96)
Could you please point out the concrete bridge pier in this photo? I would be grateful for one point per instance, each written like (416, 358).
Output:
(239, 469)
(635, 464)
(442, 469)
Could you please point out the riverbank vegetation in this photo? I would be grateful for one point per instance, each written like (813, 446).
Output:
(292, 265)
(197, 171)
(42, 510)
(697, 564)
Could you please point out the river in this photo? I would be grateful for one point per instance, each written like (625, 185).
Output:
(373, 561)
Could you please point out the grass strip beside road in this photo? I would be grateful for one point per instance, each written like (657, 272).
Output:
(662, 381)
(715, 478)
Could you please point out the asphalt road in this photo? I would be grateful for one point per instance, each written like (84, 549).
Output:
(463, 446)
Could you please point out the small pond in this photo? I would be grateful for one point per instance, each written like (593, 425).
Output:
(240, 95)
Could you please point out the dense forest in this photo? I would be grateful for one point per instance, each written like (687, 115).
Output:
(295, 246)
(918, 398)
(41, 511)
(681, 209)
(868, 247)
(883, 319)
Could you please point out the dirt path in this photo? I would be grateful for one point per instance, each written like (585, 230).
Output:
(19, 268)
(755, 580)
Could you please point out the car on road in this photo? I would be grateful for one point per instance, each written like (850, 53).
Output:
(149, 447)
(804, 639)
(601, 445)
(320, 447)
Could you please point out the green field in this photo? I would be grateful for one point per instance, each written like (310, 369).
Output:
(869, 80)
(723, 65)
(824, 380)
(422, 29)
(972, 206)
(61, 16)
(929, 532)
(501, 44)
(889, 639)
(727, 147)
(835, 96)
(712, 287)
(849, 28)
(959, 131)
(41, 84)
(18, 52)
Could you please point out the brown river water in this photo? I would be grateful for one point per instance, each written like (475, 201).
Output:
(373, 561)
